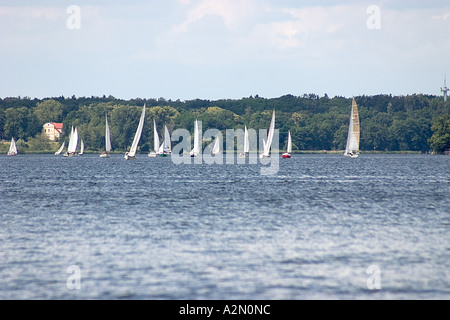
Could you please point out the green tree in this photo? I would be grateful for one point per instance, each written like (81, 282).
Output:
(410, 134)
(440, 140)
(2, 123)
(124, 121)
(49, 111)
(39, 143)
(16, 123)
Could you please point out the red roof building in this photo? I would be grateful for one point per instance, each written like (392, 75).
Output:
(53, 130)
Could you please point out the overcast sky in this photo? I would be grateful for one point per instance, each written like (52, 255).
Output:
(214, 49)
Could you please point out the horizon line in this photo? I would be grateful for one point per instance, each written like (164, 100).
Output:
(255, 96)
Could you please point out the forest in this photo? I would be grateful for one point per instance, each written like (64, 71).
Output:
(388, 123)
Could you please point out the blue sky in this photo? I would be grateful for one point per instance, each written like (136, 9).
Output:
(214, 49)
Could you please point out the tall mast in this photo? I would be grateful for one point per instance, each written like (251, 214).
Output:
(445, 89)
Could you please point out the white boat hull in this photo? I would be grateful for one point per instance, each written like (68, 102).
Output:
(128, 157)
(71, 154)
(351, 155)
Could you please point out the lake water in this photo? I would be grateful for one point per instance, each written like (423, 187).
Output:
(321, 227)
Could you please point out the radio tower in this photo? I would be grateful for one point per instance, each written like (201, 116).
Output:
(445, 89)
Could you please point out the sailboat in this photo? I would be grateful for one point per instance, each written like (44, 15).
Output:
(105, 153)
(73, 143)
(161, 150)
(352, 147)
(131, 155)
(81, 148)
(268, 143)
(167, 149)
(287, 154)
(216, 147)
(60, 149)
(196, 150)
(244, 154)
(12, 148)
(155, 141)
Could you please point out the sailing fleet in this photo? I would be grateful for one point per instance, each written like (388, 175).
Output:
(164, 149)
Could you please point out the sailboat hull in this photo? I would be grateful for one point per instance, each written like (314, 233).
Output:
(104, 155)
(286, 155)
(71, 154)
(128, 157)
(351, 155)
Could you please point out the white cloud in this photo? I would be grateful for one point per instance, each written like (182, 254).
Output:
(301, 26)
(444, 16)
(233, 13)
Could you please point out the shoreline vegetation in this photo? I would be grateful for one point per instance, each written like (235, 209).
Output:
(414, 123)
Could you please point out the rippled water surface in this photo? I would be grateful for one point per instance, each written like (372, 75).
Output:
(151, 229)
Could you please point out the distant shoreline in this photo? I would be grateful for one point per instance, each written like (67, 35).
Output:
(4, 146)
(305, 152)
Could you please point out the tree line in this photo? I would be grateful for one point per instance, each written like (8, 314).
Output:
(388, 123)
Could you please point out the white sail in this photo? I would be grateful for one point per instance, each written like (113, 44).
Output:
(105, 154)
(268, 143)
(132, 153)
(245, 153)
(60, 149)
(155, 137)
(161, 148)
(287, 154)
(155, 141)
(289, 145)
(12, 148)
(167, 143)
(246, 141)
(69, 146)
(75, 132)
(196, 150)
(352, 146)
(107, 137)
(216, 147)
(81, 148)
(73, 141)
